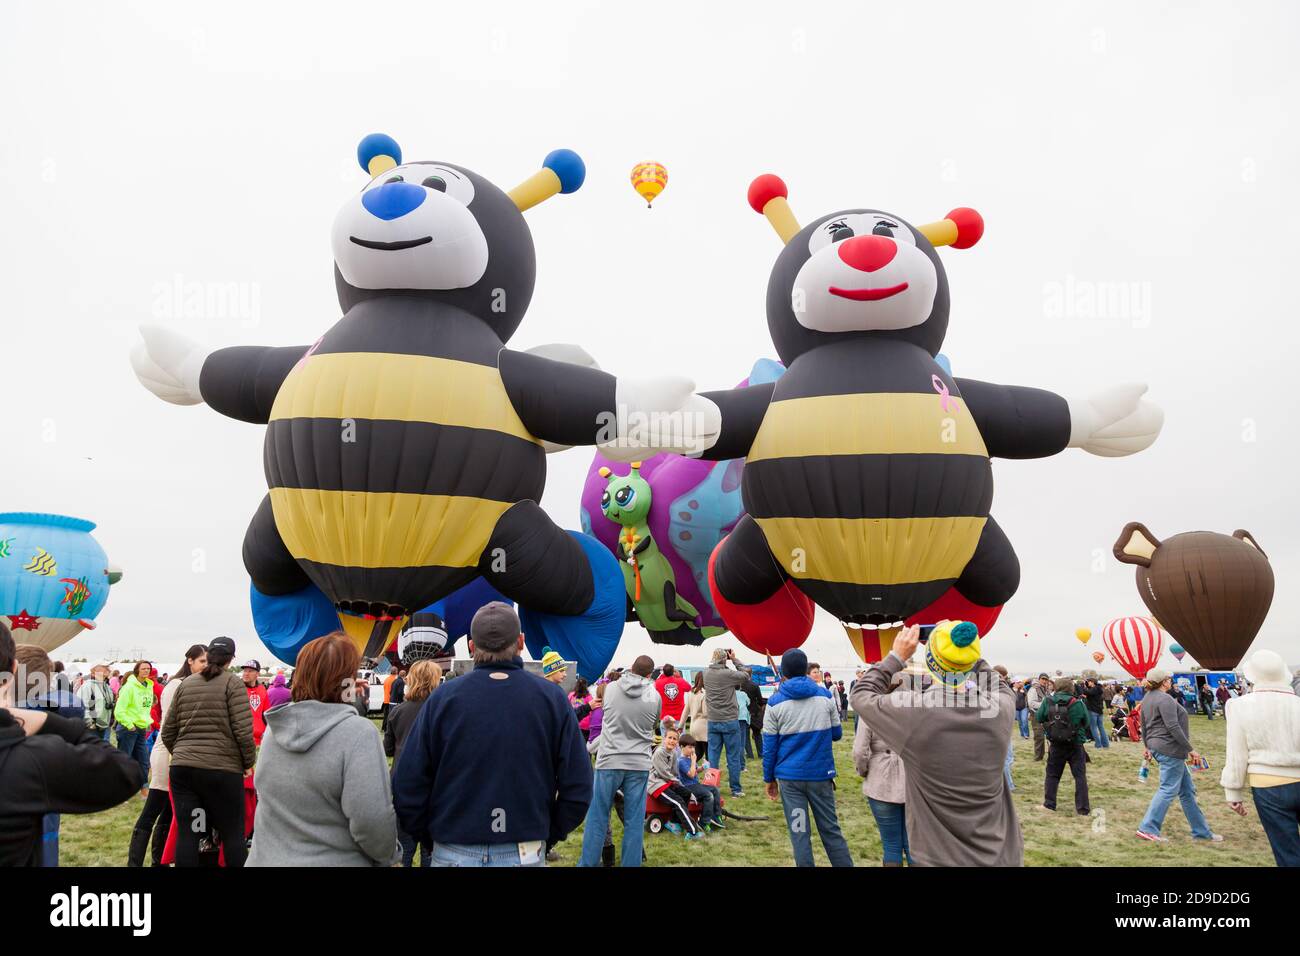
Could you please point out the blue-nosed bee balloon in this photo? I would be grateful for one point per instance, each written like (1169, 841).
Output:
(405, 449)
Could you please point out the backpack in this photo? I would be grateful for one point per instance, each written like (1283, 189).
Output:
(1057, 727)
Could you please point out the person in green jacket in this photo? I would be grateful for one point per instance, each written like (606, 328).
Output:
(131, 714)
(1064, 719)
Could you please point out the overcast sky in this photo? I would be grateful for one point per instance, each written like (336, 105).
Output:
(1135, 165)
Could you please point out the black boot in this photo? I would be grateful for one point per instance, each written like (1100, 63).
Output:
(607, 855)
(139, 842)
(160, 831)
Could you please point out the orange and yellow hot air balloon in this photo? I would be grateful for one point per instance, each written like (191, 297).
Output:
(649, 180)
(1098, 656)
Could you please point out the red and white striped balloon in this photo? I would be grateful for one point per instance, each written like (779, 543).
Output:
(1135, 642)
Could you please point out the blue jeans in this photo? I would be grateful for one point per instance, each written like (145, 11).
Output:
(1006, 767)
(1279, 812)
(633, 784)
(891, 821)
(726, 733)
(1022, 718)
(105, 735)
(132, 743)
(806, 801)
(1097, 725)
(481, 854)
(1175, 781)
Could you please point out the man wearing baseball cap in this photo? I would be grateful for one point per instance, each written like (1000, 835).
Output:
(1035, 694)
(258, 701)
(495, 766)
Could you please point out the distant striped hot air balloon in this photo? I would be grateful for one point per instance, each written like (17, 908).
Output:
(649, 180)
(1178, 652)
(1135, 643)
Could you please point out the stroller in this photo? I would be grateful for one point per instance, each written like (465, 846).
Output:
(1132, 725)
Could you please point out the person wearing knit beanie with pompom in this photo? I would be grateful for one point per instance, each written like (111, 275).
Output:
(554, 669)
(952, 737)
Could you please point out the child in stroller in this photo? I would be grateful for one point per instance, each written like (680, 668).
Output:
(1129, 726)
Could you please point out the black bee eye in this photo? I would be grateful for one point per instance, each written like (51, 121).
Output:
(394, 179)
(840, 233)
(436, 182)
(882, 229)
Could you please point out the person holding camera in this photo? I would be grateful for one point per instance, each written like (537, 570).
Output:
(952, 737)
(720, 685)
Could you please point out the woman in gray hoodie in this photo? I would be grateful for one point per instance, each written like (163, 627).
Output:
(322, 778)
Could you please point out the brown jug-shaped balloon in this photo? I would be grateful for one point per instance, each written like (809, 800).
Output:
(1210, 591)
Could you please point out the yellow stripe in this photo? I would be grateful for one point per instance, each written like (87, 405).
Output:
(872, 644)
(358, 629)
(873, 550)
(406, 388)
(384, 529)
(871, 423)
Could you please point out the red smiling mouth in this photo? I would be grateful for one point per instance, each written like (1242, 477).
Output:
(868, 295)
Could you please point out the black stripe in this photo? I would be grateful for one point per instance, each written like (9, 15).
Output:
(862, 365)
(406, 325)
(869, 486)
(873, 603)
(406, 457)
(390, 591)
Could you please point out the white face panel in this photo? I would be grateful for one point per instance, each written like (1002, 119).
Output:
(891, 287)
(396, 242)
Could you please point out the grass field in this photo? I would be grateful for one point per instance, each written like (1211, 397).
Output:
(1119, 800)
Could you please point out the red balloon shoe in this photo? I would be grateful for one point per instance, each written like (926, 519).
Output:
(951, 606)
(773, 626)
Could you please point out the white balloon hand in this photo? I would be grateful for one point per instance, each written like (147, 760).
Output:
(168, 364)
(1115, 422)
(661, 415)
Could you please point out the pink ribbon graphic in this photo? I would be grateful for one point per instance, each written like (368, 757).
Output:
(946, 401)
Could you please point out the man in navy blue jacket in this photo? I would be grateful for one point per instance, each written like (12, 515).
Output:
(799, 727)
(495, 766)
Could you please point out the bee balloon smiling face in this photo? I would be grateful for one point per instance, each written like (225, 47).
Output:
(863, 271)
(411, 228)
(857, 272)
(443, 232)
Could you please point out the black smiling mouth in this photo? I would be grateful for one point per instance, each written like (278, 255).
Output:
(391, 246)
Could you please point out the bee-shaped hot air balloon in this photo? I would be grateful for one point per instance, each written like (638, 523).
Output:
(405, 449)
(649, 180)
(867, 475)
